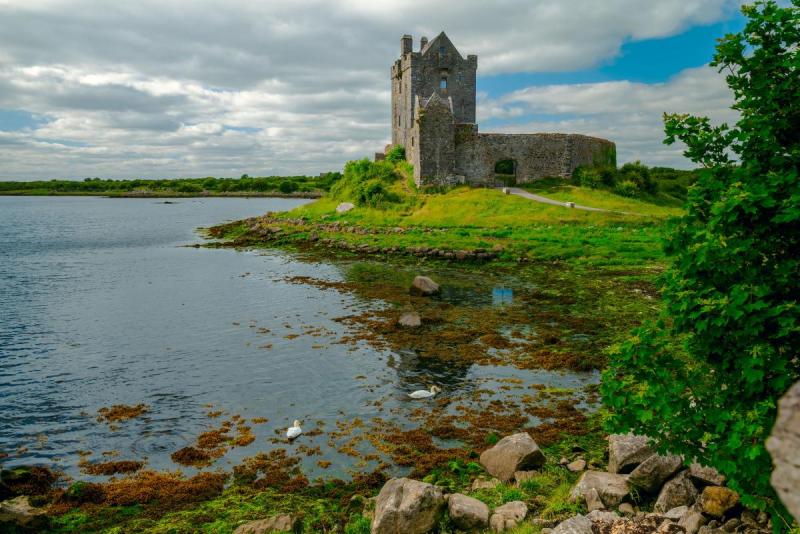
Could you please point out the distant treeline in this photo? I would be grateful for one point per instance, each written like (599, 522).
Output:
(187, 186)
(635, 179)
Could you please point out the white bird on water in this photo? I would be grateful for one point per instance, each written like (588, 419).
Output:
(294, 430)
(424, 393)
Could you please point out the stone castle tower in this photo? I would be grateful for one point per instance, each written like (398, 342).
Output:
(433, 117)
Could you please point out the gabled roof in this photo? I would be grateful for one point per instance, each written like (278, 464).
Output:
(436, 100)
(440, 40)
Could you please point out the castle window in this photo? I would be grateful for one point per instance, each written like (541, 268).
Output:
(443, 83)
(441, 50)
(412, 142)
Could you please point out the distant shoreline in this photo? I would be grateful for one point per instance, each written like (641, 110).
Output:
(163, 194)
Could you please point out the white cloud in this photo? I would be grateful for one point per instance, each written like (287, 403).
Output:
(159, 88)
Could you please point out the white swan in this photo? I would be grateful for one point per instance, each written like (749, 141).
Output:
(294, 430)
(424, 393)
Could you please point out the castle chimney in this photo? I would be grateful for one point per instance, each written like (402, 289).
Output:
(405, 45)
(422, 43)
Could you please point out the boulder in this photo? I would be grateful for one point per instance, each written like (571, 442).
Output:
(611, 488)
(467, 513)
(484, 483)
(676, 513)
(705, 476)
(653, 472)
(784, 446)
(626, 508)
(422, 285)
(511, 454)
(626, 451)
(678, 491)
(578, 524)
(692, 521)
(344, 207)
(593, 500)
(18, 513)
(410, 320)
(577, 466)
(508, 516)
(407, 506)
(717, 500)
(600, 516)
(648, 524)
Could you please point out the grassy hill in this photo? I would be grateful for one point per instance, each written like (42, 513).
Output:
(392, 216)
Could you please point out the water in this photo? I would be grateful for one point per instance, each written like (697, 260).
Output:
(101, 305)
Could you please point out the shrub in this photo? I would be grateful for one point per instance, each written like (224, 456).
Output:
(705, 379)
(589, 177)
(638, 174)
(373, 193)
(366, 183)
(287, 187)
(189, 187)
(396, 154)
(626, 188)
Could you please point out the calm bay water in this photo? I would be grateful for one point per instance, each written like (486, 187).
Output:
(101, 305)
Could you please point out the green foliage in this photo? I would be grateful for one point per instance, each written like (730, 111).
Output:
(288, 187)
(396, 154)
(357, 525)
(185, 186)
(366, 183)
(704, 381)
(491, 438)
(639, 175)
(626, 188)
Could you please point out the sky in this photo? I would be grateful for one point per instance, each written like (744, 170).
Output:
(171, 88)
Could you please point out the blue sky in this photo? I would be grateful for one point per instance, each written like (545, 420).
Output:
(91, 89)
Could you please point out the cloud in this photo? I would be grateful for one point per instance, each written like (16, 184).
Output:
(179, 87)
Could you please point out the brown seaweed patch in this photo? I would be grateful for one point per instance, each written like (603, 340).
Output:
(192, 456)
(111, 468)
(121, 412)
(169, 489)
(274, 469)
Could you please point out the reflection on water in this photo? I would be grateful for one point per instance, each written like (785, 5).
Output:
(502, 295)
(100, 306)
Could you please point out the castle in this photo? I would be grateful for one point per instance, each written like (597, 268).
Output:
(433, 117)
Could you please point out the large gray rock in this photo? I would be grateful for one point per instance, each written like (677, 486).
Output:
(784, 446)
(278, 523)
(705, 476)
(512, 453)
(18, 513)
(344, 207)
(692, 521)
(574, 525)
(593, 500)
(678, 491)
(406, 506)
(508, 516)
(653, 472)
(467, 513)
(410, 320)
(422, 285)
(601, 516)
(611, 488)
(626, 451)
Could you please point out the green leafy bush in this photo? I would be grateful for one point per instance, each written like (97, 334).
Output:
(288, 187)
(638, 174)
(366, 183)
(626, 188)
(396, 154)
(704, 380)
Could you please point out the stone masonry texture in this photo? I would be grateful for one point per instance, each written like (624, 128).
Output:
(433, 117)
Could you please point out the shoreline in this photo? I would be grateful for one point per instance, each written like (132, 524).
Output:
(165, 194)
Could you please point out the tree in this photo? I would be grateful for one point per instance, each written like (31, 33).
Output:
(703, 381)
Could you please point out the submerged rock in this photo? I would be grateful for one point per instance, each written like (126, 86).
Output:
(422, 285)
(407, 506)
(467, 513)
(508, 516)
(511, 454)
(19, 513)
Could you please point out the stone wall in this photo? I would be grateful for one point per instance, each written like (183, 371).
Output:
(433, 141)
(535, 155)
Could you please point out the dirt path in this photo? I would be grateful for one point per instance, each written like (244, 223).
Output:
(544, 200)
